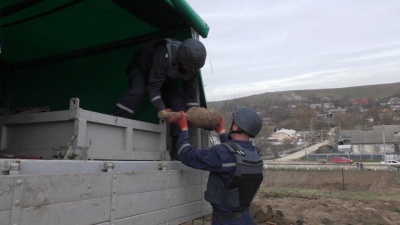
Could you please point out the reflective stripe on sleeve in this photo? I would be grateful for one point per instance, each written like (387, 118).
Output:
(125, 108)
(183, 146)
(155, 98)
(192, 104)
(228, 164)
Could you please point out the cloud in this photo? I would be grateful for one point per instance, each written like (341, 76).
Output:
(315, 80)
(259, 46)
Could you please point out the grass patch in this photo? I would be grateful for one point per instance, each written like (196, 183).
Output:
(315, 194)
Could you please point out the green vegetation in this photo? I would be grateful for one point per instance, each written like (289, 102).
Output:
(316, 194)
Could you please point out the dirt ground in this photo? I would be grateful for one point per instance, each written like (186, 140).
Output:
(275, 208)
(270, 210)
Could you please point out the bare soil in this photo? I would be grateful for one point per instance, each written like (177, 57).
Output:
(329, 211)
(379, 204)
(270, 210)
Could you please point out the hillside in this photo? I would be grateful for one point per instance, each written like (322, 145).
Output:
(380, 92)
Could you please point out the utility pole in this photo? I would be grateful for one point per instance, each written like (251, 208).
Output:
(329, 126)
(384, 143)
(305, 145)
(322, 136)
(311, 131)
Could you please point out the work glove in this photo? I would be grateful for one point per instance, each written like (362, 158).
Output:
(182, 121)
(164, 111)
(163, 114)
(174, 118)
(220, 128)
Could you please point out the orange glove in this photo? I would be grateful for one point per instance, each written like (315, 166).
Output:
(174, 118)
(220, 128)
(182, 122)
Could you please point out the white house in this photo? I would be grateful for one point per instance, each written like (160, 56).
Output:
(283, 135)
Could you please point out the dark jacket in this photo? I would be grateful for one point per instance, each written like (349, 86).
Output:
(156, 60)
(215, 159)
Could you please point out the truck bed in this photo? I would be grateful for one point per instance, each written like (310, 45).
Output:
(68, 192)
(91, 168)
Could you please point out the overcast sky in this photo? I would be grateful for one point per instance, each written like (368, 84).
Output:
(258, 46)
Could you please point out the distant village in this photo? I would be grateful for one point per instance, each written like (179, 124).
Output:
(359, 126)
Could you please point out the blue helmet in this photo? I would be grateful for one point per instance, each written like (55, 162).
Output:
(248, 120)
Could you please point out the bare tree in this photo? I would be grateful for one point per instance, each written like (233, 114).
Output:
(374, 113)
(303, 118)
(279, 114)
(345, 120)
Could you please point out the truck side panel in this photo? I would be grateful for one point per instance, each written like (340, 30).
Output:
(152, 193)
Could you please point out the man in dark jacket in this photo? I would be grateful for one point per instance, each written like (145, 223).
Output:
(160, 66)
(236, 167)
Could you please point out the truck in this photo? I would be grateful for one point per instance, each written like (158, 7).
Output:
(63, 158)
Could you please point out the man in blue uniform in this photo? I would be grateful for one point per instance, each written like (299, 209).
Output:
(160, 66)
(236, 166)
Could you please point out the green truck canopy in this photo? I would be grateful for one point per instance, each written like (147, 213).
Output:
(52, 51)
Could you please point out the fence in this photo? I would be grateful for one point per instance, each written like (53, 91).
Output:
(355, 157)
(378, 181)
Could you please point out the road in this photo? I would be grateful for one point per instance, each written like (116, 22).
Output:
(301, 153)
(291, 161)
(293, 165)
